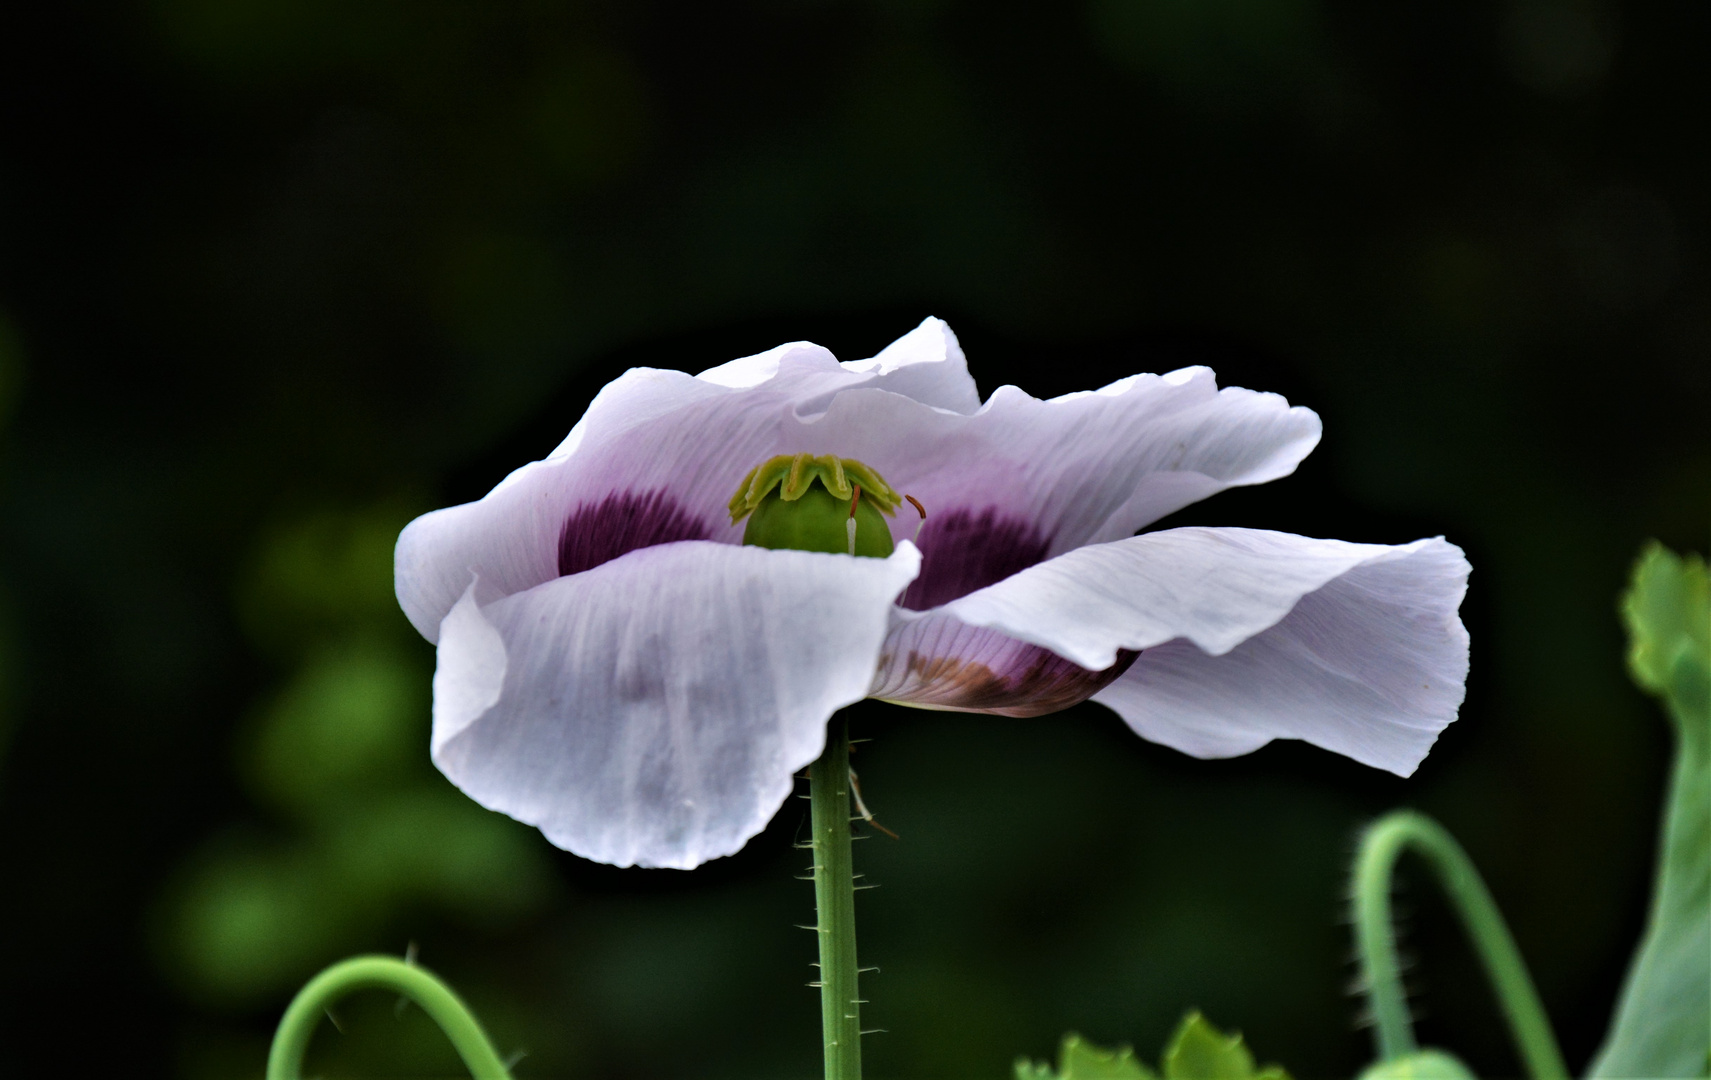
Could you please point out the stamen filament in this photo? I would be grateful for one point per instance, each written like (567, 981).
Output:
(863, 812)
(919, 509)
(850, 525)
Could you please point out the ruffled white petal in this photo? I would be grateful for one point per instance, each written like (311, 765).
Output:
(652, 711)
(1215, 587)
(1079, 469)
(925, 365)
(670, 440)
(1048, 636)
(1024, 479)
(1371, 665)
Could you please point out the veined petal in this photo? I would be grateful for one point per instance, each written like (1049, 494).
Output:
(1371, 665)
(651, 711)
(1055, 633)
(655, 459)
(1215, 587)
(1023, 479)
(933, 661)
(1020, 479)
(925, 365)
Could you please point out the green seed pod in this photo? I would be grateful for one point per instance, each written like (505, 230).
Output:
(803, 502)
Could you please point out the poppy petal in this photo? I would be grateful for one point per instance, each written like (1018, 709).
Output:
(652, 710)
(1024, 479)
(655, 459)
(1214, 587)
(1371, 665)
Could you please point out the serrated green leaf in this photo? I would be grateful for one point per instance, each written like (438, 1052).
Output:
(1199, 1051)
(1663, 1019)
(1082, 1060)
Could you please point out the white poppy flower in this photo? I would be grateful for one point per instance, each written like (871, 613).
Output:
(617, 669)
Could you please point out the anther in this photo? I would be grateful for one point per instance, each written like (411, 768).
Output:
(919, 509)
(850, 525)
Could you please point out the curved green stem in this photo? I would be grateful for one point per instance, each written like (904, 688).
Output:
(1381, 845)
(291, 1041)
(834, 901)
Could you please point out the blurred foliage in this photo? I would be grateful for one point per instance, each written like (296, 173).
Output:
(272, 256)
(1663, 1021)
(360, 829)
(1197, 1051)
(1667, 612)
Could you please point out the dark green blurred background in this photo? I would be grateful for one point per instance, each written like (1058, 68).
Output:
(276, 275)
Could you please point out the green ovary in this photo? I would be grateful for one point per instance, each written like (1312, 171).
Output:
(790, 503)
(818, 522)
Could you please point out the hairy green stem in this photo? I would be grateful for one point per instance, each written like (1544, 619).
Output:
(1381, 845)
(445, 1008)
(834, 902)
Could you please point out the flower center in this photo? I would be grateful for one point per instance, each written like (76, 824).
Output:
(817, 503)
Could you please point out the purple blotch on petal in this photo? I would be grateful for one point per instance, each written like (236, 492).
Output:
(962, 552)
(621, 523)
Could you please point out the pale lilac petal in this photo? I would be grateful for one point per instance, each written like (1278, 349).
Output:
(1215, 587)
(813, 364)
(925, 364)
(470, 672)
(656, 458)
(1372, 666)
(511, 538)
(1016, 481)
(651, 711)
(933, 661)
(1024, 479)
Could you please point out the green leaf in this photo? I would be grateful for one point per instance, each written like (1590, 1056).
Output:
(1199, 1051)
(1081, 1060)
(1662, 1026)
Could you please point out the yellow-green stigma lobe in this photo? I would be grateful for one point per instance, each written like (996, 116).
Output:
(807, 502)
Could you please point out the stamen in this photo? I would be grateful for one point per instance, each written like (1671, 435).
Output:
(862, 810)
(919, 509)
(850, 525)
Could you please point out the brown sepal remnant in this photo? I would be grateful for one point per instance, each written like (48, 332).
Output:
(1048, 683)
